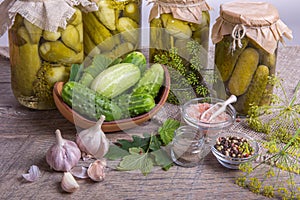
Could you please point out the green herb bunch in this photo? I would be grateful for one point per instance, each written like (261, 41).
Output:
(184, 72)
(143, 153)
(278, 168)
(277, 174)
(283, 114)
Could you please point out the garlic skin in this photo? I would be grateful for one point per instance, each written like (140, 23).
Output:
(63, 155)
(68, 183)
(33, 174)
(93, 140)
(96, 170)
(79, 172)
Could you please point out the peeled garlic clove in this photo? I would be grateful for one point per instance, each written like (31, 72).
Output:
(63, 155)
(68, 183)
(93, 140)
(96, 170)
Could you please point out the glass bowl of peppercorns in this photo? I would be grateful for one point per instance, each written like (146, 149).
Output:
(234, 148)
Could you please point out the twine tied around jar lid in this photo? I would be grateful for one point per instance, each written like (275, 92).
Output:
(186, 10)
(238, 33)
(258, 21)
(47, 14)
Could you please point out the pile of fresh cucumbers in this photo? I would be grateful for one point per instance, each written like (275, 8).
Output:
(117, 88)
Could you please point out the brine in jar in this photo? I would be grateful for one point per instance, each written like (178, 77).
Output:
(246, 52)
(40, 58)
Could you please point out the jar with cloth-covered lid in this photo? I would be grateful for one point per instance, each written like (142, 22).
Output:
(246, 35)
(114, 29)
(45, 39)
(179, 38)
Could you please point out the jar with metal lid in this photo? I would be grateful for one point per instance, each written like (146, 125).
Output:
(45, 39)
(179, 33)
(246, 36)
(187, 147)
(114, 29)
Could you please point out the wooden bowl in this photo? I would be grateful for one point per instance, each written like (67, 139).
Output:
(111, 126)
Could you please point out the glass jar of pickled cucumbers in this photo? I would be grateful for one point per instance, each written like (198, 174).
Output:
(246, 52)
(114, 29)
(179, 37)
(39, 58)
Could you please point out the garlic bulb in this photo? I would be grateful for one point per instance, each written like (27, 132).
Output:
(68, 183)
(63, 155)
(93, 141)
(96, 170)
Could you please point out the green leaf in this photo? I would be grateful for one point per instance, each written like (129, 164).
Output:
(115, 152)
(116, 61)
(131, 162)
(162, 159)
(75, 72)
(99, 64)
(155, 143)
(137, 141)
(136, 150)
(166, 132)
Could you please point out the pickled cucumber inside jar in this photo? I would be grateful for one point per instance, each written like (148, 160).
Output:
(40, 58)
(245, 55)
(178, 29)
(117, 21)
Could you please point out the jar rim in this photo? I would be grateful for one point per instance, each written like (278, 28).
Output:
(208, 125)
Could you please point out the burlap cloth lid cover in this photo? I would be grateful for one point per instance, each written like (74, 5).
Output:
(47, 14)
(186, 10)
(258, 21)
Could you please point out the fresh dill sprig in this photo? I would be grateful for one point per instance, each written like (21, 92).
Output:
(283, 115)
(187, 73)
(277, 174)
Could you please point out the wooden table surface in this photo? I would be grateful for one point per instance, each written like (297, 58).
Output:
(26, 135)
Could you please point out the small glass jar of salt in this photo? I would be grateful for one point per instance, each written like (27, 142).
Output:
(187, 148)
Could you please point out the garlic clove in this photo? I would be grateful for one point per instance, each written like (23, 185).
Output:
(93, 140)
(96, 170)
(33, 174)
(68, 183)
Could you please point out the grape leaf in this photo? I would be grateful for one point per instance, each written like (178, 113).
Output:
(162, 159)
(115, 152)
(142, 162)
(137, 141)
(166, 131)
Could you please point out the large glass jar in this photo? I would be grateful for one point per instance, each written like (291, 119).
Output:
(114, 29)
(246, 52)
(179, 38)
(39, 58)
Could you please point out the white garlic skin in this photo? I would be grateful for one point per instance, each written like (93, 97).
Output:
(93, 140)
(96, 170)
(68, 183)
(63, 155)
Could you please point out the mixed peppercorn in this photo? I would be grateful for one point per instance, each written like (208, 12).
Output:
(233, 146)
